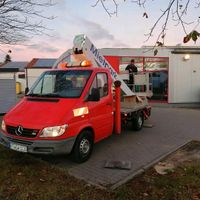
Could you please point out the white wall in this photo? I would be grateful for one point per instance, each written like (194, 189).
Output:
(33, 75)
(6, 75)
(184, 79)
(162, 52)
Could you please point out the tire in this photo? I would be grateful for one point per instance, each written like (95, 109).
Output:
(83, 147)
(138, 121)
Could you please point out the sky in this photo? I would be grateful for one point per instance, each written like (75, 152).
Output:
(73, 17)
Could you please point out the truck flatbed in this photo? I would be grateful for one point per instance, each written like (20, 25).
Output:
(133, 109)
(132, 104)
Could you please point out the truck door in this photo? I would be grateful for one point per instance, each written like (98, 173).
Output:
(101, 112)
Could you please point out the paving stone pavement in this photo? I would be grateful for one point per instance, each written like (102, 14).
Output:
(172, 127)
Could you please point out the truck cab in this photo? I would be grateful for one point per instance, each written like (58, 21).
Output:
(66, 111)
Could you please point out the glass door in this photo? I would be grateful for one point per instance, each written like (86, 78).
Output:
(160, 85)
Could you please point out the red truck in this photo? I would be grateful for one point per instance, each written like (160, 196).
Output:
(67, 111)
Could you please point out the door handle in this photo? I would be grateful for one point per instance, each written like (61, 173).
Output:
(109, 104)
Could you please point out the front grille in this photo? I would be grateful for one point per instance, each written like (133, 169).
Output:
(29, 133)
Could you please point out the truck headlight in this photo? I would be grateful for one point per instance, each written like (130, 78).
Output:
(53, 131)
(3, 125)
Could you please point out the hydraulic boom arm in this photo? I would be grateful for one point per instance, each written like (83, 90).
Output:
(83, 46)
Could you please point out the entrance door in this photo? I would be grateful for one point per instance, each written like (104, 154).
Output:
(159, 85)
(195, 78)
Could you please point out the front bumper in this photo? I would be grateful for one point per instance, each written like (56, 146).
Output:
(40, 146)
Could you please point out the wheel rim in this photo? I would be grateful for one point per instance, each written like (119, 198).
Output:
(140, 121)
(84, 146)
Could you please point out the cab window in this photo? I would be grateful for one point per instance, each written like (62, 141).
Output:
(100, 82)
(64, 84)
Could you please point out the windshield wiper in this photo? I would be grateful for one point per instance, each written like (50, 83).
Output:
(51, 95)
(44, 95)
(33, 95)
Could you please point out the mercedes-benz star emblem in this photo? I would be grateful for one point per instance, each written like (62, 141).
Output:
(19, 130)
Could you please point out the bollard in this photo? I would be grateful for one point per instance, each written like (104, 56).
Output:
(117, 107)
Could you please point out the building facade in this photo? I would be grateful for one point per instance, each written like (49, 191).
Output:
(174, 71)
(36, 67)
(19, 75)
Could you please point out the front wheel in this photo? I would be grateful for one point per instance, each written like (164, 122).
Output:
(138, 121)
(83, 147)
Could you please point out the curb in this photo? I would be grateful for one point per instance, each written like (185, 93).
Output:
(147, 166)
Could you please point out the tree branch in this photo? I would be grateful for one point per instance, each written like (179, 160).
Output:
(177, 9)
(21, 19)
(103, 4)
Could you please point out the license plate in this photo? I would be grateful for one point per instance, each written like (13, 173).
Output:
(18, 147)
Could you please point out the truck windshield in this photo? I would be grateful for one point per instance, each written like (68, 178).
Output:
(64, 84)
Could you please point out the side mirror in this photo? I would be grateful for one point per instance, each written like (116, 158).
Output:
(95, 95)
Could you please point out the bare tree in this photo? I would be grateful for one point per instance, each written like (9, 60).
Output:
(176, 11)
(21, 19)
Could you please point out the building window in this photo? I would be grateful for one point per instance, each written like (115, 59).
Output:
(145, 63)
(21, 76)
(124, 61)
(100, 82)
(152, 64)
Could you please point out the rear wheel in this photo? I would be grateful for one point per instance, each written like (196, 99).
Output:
(83, 147)
(138, 121)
